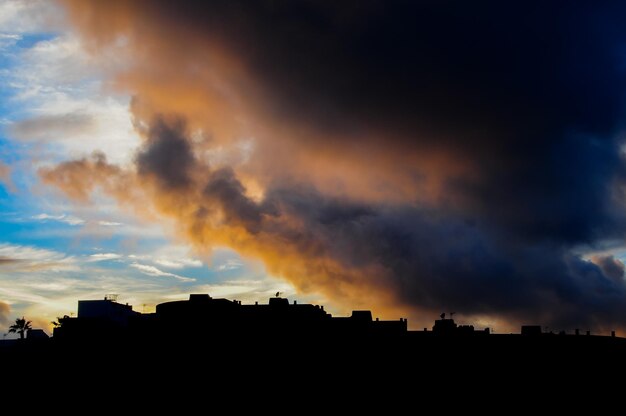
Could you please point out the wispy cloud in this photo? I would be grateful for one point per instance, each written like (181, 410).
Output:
(104, 256)
(229, 264)
(109, 223)
(179, 263)
(22, 258)
(171, 256)
(53, 127)
(8, 40)
(56, 89)
(67, 219)
(153, 271)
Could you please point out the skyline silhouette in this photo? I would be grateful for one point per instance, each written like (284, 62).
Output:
(204, 316)
(292, 348)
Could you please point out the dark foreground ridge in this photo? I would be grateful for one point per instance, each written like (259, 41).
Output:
(207, 334)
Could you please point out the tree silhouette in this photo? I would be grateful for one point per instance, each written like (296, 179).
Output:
(20, 326)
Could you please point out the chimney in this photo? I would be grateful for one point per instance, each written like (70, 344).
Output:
(613, 334)
(577, 331)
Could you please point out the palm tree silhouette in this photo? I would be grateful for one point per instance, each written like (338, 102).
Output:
(20, 326)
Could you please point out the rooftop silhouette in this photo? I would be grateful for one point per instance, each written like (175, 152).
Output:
(221, 323)
(206, 333)
(202, 316)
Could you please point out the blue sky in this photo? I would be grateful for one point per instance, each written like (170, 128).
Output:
(55, 105)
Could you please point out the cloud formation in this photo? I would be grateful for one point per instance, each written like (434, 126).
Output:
(24, 259)
(404, 153)
(179, 263)
(53, 127)
(104, 256)
(67, 219)
(154, 271)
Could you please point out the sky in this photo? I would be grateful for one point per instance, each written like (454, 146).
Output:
(409, 157)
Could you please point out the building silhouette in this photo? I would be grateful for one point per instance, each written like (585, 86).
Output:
(36, 334)
(234, 344)
(202, 316)
(204, 333)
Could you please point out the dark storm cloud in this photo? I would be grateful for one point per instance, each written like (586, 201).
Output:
(529, 92)
(167, 155)
(439, 260)
(449, 66)
(529, 95)
(432, 258)
(436, 258)
(225, 189)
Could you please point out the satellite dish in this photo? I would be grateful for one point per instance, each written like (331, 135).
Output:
(443, 316)
(277, 294)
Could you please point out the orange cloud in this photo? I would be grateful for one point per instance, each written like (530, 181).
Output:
(212, 208)
(222, 100)
(215, 87)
